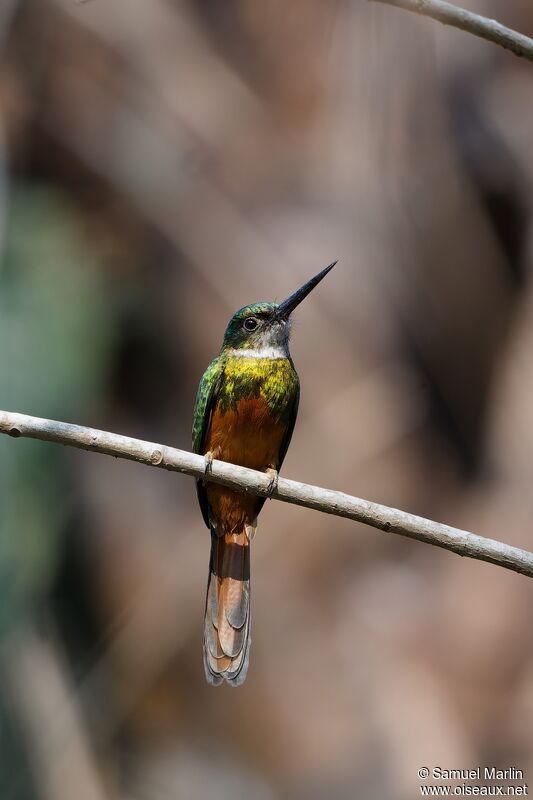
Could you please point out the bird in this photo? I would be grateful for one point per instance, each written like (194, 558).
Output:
(244, 413)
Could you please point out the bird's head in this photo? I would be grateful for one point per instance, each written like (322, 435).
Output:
(263, 328)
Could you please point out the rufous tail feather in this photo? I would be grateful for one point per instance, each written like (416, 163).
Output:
(227, 608)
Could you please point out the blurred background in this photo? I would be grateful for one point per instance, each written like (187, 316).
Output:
(162, 163)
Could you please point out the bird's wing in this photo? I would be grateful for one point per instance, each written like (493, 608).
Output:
(203, 410)
(292, 414)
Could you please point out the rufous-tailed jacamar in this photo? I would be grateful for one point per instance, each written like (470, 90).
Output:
(245, 412)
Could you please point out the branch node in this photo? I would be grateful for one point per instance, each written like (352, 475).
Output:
(156, 457)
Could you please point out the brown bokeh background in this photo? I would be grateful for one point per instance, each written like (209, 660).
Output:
(162, 163)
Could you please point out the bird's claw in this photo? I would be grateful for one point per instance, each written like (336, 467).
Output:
(208, 457)
(273, 474)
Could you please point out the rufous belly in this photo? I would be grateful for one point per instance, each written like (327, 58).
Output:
(247, 435)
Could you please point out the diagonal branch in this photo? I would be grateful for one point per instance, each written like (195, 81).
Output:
(485, 28)
(241, 479)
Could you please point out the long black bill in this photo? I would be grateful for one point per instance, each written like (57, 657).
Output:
(286, 308)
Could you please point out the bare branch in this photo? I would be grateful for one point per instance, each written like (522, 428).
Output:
(485, 28)
(241, 479)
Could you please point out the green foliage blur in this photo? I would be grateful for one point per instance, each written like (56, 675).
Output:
(54, 336)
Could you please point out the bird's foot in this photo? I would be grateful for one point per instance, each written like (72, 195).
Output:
(273, 474)
(208, 457)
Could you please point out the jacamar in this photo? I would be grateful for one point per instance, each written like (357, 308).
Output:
(244, 413)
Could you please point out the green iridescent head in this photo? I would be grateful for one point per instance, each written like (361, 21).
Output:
(264, 328)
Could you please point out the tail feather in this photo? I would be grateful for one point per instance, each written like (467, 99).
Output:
(227, 611)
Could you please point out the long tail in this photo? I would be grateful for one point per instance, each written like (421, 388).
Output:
(227, 608)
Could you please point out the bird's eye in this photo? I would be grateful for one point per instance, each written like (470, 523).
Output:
(250, 323)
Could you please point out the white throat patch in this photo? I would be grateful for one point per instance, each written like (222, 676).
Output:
(263, 352)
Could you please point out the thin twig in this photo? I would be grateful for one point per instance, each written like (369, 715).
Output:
(241, 479)
(485, 28)
(64, 765)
